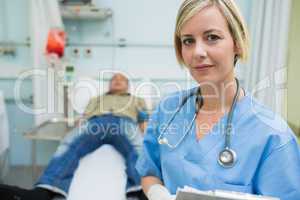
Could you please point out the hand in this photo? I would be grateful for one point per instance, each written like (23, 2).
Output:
(159, 192)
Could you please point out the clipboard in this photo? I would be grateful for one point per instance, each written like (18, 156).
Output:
(188, 193)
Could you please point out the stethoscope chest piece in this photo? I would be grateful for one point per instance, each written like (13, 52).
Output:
(163, 141)
(227, 158)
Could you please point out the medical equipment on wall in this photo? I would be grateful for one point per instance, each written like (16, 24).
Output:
(7, 49)
(76, 2)
(83, 10)
(68, 85)
(227, 157)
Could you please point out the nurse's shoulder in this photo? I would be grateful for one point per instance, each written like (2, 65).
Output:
(276, 148)
(271, 129)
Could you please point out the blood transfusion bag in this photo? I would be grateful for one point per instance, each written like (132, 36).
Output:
(56, 42)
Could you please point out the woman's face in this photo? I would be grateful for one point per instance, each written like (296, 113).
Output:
(208, 48)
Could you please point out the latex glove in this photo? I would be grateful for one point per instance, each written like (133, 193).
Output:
(159, 192)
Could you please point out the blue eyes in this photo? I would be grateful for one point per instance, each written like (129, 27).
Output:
(211, 38)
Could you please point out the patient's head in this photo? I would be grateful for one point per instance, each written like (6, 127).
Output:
(119, 84)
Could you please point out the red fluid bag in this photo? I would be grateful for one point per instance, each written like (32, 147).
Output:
(56, 42)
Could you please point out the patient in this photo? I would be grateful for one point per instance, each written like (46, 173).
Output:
(116, 118)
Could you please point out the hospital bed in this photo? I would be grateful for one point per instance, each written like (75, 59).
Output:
(89, 184)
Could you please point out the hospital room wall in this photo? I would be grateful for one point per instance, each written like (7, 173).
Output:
(293, 97)
(142, 32)
(149, 52)
(137, 40)
(14, 27)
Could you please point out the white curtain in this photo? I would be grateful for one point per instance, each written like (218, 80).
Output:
(4, 138)
(45, 14)
(265, 74)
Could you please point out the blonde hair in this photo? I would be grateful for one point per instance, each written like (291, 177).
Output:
(230, 11)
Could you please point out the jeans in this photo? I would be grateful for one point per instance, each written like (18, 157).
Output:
(105, 129)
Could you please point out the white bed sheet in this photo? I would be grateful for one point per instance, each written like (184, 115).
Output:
(100, 175)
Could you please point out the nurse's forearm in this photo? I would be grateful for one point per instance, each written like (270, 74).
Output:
(155, 190)
(148, 181)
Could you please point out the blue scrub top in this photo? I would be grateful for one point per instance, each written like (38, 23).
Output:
(268, 155)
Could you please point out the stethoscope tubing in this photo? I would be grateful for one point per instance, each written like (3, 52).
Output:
(199, 103)
(228, 129)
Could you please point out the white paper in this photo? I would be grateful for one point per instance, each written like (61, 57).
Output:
(189, 193)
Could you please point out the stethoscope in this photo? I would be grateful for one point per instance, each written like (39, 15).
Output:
(227, 157)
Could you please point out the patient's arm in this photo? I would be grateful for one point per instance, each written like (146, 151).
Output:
(143, 126)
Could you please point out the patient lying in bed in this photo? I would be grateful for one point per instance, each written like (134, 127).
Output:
(117, 119)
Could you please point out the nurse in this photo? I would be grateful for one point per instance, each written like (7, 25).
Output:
(210, 37)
